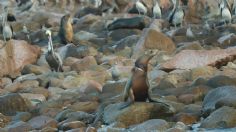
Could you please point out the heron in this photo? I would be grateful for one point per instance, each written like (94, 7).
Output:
(177, 15)
(189, 32)
(115, 72)
(140, 7)
(53, 59)
(225, 12)
(156, 10)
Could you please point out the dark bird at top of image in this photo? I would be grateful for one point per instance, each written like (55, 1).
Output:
(177, 14)
(66, 30)
(11, 17)
(7, 29)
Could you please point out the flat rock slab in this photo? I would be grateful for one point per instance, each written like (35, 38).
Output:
(40, 122)
(219, 97)
(189, 59)
(130, 23)
(152, 38)
(151, 125)
(134, 114)
(225, 117)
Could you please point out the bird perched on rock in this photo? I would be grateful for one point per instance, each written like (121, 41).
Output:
(141, 7)
(26, 32)
(156, 10)
(225, 12)
(53, 59)
(66, 30)
(234, 8)
(177, 15)
(6, 27)
(189, 32)
(115, 73)
(96, 3)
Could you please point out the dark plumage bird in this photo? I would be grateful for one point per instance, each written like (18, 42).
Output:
(66, 30)
(177, 15)
(53, 59)
(11, 17)
(225, 12)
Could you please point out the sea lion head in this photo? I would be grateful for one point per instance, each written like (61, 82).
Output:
(142, 61)
(65, 19)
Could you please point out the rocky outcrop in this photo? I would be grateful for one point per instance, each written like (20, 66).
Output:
(15, 55)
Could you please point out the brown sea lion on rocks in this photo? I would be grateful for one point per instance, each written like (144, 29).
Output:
(137, 87)
(66, 30)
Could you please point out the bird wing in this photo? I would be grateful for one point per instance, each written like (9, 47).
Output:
(11, 17)
(58, 58)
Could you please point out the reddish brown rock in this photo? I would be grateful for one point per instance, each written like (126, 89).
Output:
(152, 39)
(91, 87)
(73, 125)
(88, 106)
(84, 63)
(186, 98)
(188, 59)
(15, 55)
(141, 112)
(186, 118)
(9, 101)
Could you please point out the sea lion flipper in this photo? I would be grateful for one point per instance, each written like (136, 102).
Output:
(131, 101)
(127, 89)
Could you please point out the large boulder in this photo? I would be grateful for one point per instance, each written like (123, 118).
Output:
(224, 117)
(153, 39)
(140, 112)
(15, 55)
(188, 59)
(11, 103)
(129, 23)
(40, 122)
(219, 97)
(151, 125)
(221, 80)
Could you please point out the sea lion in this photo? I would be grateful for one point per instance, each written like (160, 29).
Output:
(66, 30)
(137, 87)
